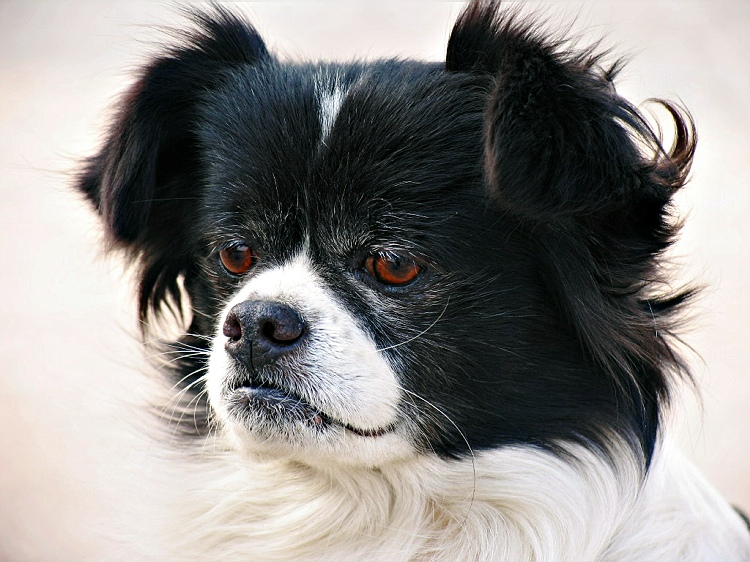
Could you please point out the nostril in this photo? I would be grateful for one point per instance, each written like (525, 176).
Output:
(232, 327)
(268, 330)
(284, 328)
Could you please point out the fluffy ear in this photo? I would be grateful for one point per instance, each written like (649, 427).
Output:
(145, 180)
(578, 164)
(559, 141)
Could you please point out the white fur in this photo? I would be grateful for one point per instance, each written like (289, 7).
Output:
(516, 504)
(342, 373)
(330, 97)
(680, 516)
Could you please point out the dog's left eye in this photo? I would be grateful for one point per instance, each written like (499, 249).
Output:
(237, 258)
(392, 269)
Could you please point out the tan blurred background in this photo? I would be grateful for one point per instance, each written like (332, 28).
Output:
(70, 463)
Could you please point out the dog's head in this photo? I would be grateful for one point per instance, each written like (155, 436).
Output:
(394, 258)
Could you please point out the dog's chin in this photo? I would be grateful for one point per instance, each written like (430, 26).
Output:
(264, 419)
(269, 409)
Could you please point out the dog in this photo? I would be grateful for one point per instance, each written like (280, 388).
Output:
(422, 305)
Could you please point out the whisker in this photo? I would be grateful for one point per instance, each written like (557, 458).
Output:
(179, 395)
(180, 355)
(463, 436)
(197, 401)
(420, 334)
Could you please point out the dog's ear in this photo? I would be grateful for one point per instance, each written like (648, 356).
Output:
(559, 141)
(565, 155)
(145, 179)
(149, 155)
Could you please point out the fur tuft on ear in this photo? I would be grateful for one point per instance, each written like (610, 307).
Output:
(145, 180)
(559, 141)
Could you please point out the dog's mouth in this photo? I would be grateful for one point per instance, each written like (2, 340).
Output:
(254, 398)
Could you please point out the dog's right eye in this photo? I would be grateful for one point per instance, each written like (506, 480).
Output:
(237, 258)
(392, 269)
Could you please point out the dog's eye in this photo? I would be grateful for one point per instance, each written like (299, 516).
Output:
(237, 259)
(392, 269)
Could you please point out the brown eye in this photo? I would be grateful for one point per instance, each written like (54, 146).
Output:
(392, 269)
(237, 259)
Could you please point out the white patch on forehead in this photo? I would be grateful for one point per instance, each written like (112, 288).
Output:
(330, 97)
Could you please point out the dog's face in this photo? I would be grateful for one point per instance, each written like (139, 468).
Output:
(397, 258)
(353, 259)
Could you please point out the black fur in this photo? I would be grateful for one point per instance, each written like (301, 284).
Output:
(536, 198)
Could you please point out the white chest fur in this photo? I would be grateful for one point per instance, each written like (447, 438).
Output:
(513, 504)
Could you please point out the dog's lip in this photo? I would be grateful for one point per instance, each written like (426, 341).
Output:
(254, 389)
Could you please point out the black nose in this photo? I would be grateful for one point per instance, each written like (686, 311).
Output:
(261, 331)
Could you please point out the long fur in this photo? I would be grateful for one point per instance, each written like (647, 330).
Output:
(511, 504)
(507, 403)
